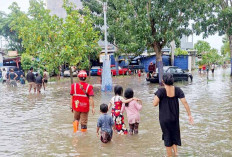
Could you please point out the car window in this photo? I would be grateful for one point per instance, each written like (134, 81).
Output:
(179, 70)
(171, 70)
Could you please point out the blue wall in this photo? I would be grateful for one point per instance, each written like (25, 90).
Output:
(181, 62)
(147, 60)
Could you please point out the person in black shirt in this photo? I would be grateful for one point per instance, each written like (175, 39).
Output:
(31, 80)
(38, 81)
(12, 78)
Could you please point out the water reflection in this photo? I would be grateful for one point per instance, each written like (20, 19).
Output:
(41, 124)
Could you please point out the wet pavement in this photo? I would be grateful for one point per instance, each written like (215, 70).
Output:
(41, 124)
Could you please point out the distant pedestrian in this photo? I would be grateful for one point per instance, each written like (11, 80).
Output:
(22, 80)
(106, 123)
(12, 78)
(167, 98)
(38, 81)
(151, 69)
(4, 76)
(45, 78)
(31, 80)
(212, 68)
(132, 111)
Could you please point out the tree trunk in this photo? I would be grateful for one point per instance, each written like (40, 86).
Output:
(230, 41)
(71, 75)
(159, 62)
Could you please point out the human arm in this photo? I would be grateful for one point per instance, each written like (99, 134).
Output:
(71, 100)
(15, 76)
(91, 102)
(138, 105)
(156, 101)
(187, 108)
(109, 106)
(98, 128)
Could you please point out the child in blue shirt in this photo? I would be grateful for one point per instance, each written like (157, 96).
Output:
(105, 122)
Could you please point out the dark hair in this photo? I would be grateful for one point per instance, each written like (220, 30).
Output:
(104, 108)
(31, 68)
(118, 90)
(82, 78)
(129, 93)
(168, 79)
(36, 74)
(45, 69)
(3, 69)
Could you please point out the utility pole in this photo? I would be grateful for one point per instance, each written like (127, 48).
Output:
(106, 73)
(173, 47)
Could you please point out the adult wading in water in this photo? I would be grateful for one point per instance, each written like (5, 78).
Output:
(167, 98)
(81, 98)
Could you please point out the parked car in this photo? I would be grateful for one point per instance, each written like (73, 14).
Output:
(121, 71)
(67, 72)
(94, 70)
(178, 74)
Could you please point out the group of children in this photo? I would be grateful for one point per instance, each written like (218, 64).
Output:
(107, 123)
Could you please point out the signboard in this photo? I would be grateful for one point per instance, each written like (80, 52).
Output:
(102, 57)
(12, 53)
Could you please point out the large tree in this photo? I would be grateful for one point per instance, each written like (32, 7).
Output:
(150, 23)
(216, 17)
(55, 41)
(12, 36)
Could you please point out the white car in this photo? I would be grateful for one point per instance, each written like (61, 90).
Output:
(67, 72)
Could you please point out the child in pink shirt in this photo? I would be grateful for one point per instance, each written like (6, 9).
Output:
(132, 109)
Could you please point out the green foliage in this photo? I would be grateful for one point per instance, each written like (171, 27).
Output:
(202, 47)
(26, 61)
(211, 57)
(179, 52)
(54, 41)
(12, 36)
(215, 17)
(136, 25)
(225, 49)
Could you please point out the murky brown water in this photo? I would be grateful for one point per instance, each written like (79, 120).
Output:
(41, 125)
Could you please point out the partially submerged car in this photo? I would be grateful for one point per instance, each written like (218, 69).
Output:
(178, 74)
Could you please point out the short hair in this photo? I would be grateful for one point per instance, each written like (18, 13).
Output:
(118, 90)
(129, 93)
(104, 108)
(31, 68)
(36, 74)
(82, 78)
(11, 70)
(168, 79)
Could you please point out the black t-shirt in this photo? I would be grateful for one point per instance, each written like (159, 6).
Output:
(38, 79)
(30, 77)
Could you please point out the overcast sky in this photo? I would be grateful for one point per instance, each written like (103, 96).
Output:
(215, 41)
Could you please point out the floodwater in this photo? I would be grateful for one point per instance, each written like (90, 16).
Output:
(41, 125)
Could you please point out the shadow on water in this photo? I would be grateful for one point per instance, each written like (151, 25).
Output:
(41, 124)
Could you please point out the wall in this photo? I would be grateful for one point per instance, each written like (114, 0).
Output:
(147, 60)
(181, 62)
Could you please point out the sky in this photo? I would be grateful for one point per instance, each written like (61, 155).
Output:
(215, 40)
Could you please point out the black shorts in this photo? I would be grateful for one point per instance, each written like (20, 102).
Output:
(45, 81)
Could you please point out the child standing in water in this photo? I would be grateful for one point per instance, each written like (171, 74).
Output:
(132, 110)
(116, 103)
(105, 122)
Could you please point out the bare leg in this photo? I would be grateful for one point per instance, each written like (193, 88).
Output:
(174, 147)
(169, 151)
